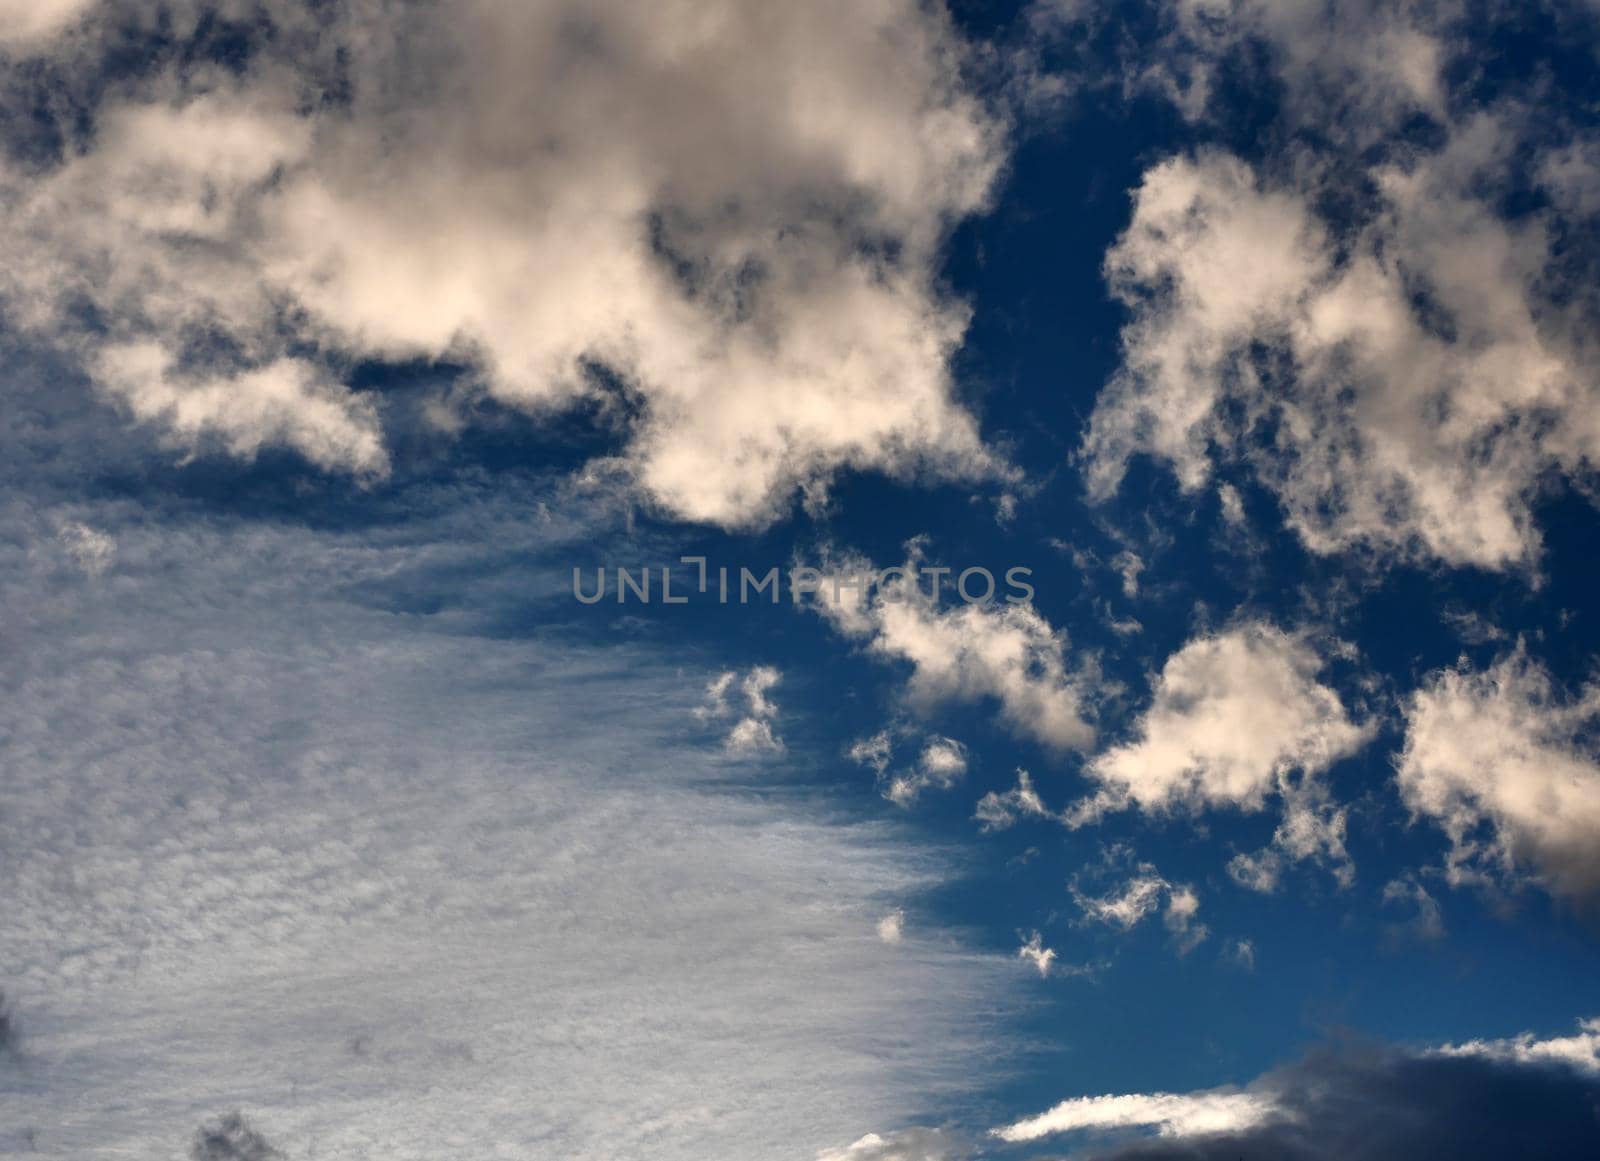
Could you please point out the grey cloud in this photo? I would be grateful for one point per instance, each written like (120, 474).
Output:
(231, 1138)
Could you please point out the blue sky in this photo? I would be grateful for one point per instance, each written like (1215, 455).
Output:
(338, 338)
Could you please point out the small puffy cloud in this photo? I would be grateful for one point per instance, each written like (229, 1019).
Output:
(1170, 1114)
(1506, 764)
(998, 810)
(998, 651)
(91, 550)
(913, 1144)
(1233, 714)
(1034, 951)
(892, 927)
(1237, 717)
(1242, 953)
(940, 764)
(732, 219)
(752, 732)
(1139, 895)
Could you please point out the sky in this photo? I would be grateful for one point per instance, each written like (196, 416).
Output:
(867, 580)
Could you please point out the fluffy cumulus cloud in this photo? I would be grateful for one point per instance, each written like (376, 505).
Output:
(1237, 717)
(995, 651)
(718, 223)
(1506, 764)
(1472, 1103)
(1404, 367)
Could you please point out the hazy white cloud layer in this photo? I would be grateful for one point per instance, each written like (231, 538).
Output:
(722, 220)
(394, 888)
(1506, 764)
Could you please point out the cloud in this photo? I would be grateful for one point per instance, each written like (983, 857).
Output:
(1169, 1114)
(998, 811)
(91, 551)
(1353, 1103)
(892, 927)
(231, 1138)
(1505, 764)
(1580, 1051)
(721, 228)
(27, 24)
(1035, 952)
(940, 765)
(1402, 383)
(260, 808)
(1427, 920)
(752, 732)
(969, 652)
(1237, 717)
(906, 1145)
(1138, 896)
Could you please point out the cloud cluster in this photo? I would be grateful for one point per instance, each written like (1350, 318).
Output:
(1128, 904)
(719, 224)
(941, 763)
(1507, 766)
(1361, 325)
(752, 731)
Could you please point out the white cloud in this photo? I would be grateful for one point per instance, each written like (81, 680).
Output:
(90, 550)
(1171, 1114)
(997, 811)
(736, 211)
(906, 1145)
(1404, 386)
(892, 927)
(1506, 765)
(1138, 897)
(752, 732)
(970, 652)
(1353, 70)
(1237, 717)
(26, 24)
(1034, 951)
(1580, 1051)
(1126, 907)
(941, 763)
